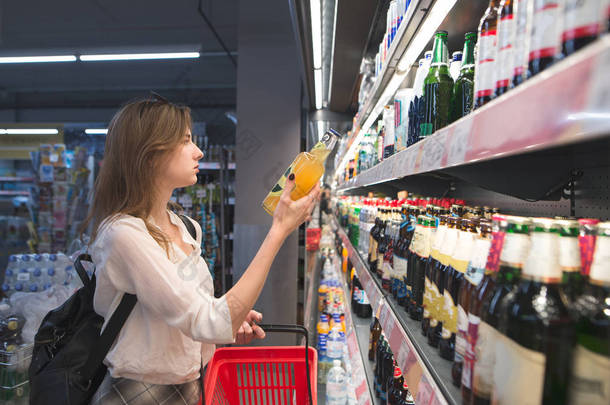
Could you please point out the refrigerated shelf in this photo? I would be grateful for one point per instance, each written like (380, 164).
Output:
(565, 105)
(426, 373)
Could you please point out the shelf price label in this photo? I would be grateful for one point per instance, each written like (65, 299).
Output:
(402, 355)
(425, 392)
(458, 143)
(433, 151)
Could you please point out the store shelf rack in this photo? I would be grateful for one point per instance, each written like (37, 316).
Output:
(14, 193)
(17, 179)
(357, 336)
(427, 375)
(567, 104)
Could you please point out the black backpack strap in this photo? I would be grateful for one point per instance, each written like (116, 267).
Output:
(80, 269)
(189, 225)
(108, 336)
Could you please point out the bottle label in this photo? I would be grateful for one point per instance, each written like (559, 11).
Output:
(469, 358)
(439, 237)
(462, 332)
(524, 368)
(434, 303)
(544, 35)
(600, 268)
(569, 255)
(427, 297)
(476, 267)
(449, 314)
(506, 39)
(373, 246)
(590, 383)
(515, 249)
(519, 54)
(581, 19)
(485, 358)
(334, 349)
(541, 263)
(23, 276)
(364, 299)
(425, 243)
(463, 251)
(495, 250)
(485, 71)
(400, 267)
(449, 242)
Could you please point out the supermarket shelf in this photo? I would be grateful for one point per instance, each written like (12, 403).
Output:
(214, 166)
(576, 95)
(357, 336)
(17, 179)
(13, 193)
(428, 376)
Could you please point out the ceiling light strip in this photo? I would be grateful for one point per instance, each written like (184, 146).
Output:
(139, 56)
(38, 59)
(29, 131)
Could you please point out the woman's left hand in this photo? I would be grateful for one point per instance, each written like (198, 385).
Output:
(249, 330)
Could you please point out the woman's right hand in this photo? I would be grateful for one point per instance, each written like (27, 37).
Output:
(290, 214)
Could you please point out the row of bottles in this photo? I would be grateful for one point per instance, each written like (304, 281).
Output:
(515, 40)
(505, 300)
(390, 385)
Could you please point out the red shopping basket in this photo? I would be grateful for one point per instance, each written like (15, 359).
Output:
(270, 375)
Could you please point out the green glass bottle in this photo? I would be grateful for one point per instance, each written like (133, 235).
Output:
(463, 90)
(535, 351)
(590, 380)
(438, 85)
(573, 280)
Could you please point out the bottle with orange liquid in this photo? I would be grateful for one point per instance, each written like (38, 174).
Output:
(308, 168)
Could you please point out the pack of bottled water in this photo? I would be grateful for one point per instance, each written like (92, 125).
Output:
(38, 272)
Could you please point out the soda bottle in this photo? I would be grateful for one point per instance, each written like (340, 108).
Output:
(462, 95)
(308, 167)
(506, 45)
(437, 88)
(544, 36)
(581, 24)
(484, 76)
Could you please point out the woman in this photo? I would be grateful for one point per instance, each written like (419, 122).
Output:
(141, 247)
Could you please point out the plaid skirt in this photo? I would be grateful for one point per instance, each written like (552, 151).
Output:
(122, 391)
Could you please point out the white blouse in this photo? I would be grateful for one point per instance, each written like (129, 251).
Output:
(173, 327)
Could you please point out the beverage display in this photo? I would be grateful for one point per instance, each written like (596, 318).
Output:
(462, 94)
(308, 168)
(506, 46)
(591, 361)
(438, 85)
(537, 364)
(544, 35)
(485, 71)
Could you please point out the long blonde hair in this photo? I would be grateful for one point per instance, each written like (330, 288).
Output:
(140, 134)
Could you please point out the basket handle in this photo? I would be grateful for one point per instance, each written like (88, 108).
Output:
(299, 330)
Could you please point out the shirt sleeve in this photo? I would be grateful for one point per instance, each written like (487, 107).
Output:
(138, 265)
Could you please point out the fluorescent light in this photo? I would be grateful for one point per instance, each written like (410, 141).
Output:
(37, 59)
(332, 53)
(139, 56)
(317, 78)
(96, 131)
(320, 125)
(316, 33)
(29, 131)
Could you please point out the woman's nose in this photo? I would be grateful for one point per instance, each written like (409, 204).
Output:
(199, 153)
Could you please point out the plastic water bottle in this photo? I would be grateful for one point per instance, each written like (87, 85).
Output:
(334, 344)
(10, 273)
(36, 281)
(336, 385)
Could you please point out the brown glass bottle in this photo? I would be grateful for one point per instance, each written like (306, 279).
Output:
(438, 282)
(422, 250)
(473, 277)
(485, 70)
(430, 293)
(581, 24)
(544, 36)
(374, 338)
(453, 283)
(514, 253)
(538, 331)
(506, 46)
